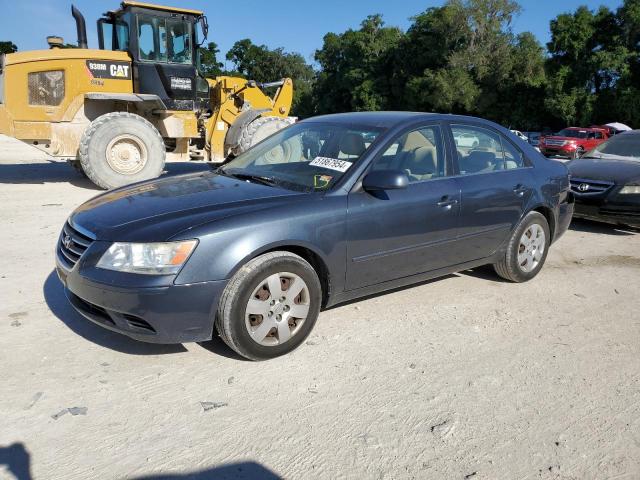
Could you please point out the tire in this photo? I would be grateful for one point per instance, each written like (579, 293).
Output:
(256, 131)
(578, 153)
(120, 148)
(241, 330)
(511, 267)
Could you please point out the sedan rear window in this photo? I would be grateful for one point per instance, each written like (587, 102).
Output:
(305, 156)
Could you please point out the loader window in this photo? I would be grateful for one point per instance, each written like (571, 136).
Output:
(164, 40)
(113, 36)
(150, 39)
(179, 41)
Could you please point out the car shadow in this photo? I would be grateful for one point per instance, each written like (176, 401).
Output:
(52, 171)
(590, 226)
(59, 305)
(231, 471)
(216, 345)
(485, 272)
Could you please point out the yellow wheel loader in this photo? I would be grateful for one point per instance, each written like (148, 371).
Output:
(119, 112)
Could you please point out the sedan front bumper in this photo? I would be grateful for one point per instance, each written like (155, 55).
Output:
(609, 213)
(165, 314)
(568, 151)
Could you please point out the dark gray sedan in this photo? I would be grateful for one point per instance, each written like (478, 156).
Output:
(328, 210)
(606, 181)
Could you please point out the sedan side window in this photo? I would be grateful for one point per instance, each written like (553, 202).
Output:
(419, 154)
(480, 150)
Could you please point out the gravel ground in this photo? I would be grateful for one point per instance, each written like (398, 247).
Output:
(465, 377)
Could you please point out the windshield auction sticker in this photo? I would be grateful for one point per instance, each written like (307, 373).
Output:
(331, 164)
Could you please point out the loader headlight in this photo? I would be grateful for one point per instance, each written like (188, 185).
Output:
(631, 190)
(147, 258)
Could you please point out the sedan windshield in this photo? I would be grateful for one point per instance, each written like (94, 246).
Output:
(303, 157)
(567, 132)
(622, 145)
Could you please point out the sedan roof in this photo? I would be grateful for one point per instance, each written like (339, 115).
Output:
(387, 119)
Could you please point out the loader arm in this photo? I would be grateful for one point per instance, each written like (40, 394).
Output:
(232, 98)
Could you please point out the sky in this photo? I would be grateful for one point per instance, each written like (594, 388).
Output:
(298, 26)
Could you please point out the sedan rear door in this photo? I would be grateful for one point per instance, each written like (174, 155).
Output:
(495, 183)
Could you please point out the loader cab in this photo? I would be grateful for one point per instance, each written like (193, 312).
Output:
(163, 44)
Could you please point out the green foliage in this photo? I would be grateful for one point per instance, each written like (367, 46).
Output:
(463, 57)
(355, 68)
(7, 47)
(208, 60)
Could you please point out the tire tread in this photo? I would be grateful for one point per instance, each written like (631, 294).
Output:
(229, 295)
(83, 150)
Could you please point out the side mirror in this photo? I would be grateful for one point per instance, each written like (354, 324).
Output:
(385, 180)
(204, 26)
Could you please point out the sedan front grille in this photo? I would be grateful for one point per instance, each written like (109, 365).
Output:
(581, 186)
(72, 245)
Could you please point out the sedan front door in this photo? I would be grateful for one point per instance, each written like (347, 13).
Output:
(402, 232)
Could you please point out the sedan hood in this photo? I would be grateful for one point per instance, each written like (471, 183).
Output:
(160, 209)
(614, 170)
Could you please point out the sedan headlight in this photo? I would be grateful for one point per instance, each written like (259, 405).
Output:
(147, 258)
(631, 189)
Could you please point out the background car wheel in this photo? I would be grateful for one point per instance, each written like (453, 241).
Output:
(578, 153)
(269, 306)
(527, 249)
(120, 148)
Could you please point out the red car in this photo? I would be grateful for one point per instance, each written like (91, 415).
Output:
(572, 142)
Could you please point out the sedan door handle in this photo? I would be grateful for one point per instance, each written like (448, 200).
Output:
(447, 202)
(520, 190)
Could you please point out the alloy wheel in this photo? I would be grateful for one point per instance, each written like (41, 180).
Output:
(531, 248)
(277, 308)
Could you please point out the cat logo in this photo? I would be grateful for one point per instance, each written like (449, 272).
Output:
(108, 70)
(119, 71)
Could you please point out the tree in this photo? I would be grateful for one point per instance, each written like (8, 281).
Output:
(8, 47)
(209, 64)
(588, 57)
(463, 58)
(259, 63)
(356, 67)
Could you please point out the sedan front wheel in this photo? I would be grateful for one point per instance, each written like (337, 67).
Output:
(270, 306)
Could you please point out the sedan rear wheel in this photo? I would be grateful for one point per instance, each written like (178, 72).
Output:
(531, 248)
(527, 249)
(270, 306)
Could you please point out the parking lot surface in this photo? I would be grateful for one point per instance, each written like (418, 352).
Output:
(462, 377)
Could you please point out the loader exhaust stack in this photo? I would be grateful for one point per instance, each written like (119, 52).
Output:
(80, 26)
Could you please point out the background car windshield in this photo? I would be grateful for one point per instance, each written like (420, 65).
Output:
(305, 157)
(623, 145)
(572, 133)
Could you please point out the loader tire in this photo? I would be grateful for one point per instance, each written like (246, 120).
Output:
(256, 131)
(121, 148)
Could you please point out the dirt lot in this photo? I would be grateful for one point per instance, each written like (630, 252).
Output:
(465, 377)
